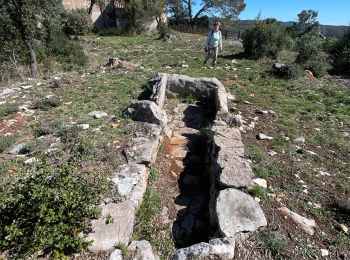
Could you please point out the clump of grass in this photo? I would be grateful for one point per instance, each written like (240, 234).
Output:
(190, 99)
(273, 241)
(6, 142)
(47, 103)
(255, 153)
(258, 191)
(265, 171)
(153, 176)
(8, 109)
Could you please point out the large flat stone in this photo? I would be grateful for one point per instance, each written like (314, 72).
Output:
(235, 171)
(115, 225)
(142, 150)
(219, 248)
(144, 129)
(146, 111)
(236, 212)
(131, 182)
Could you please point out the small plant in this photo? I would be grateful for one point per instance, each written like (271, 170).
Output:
(6, 142)
(273, 241)
(124, 248)
(154, 175)
(258, 191)
(109, 219)
(290, 71)
(255, 154)
(190, 99)
(47, 103)
(8, 109)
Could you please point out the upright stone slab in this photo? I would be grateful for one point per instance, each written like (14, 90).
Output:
(237, 212)
(115, 225)
(142, 150)
(159, 87)
(146, 111)
(201, 88)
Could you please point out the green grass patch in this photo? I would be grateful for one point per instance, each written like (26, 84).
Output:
(273, 241)
(6, 142)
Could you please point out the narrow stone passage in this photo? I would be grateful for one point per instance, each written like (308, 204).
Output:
(184, 157)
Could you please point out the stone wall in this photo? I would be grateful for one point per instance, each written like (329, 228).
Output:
(75, 4)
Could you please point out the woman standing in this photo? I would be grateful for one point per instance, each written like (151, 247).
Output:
(213, 43)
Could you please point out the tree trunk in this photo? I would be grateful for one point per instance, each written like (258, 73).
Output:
(17, 16)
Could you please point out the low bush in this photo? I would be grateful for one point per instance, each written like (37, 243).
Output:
(47, 209)
(77, 22)
(8, 109)
(290, 71)
(311, 55)
(267, 38)
(339, 51)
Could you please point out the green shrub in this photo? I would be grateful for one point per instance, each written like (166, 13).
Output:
(46, 103)
(77, 22)
(339, 51)
(47, 209)
(8, 109)
(290, 71)
(258, 191)
(311, 55)
(267, 38)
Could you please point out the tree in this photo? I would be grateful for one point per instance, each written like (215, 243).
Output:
(224, 8)
(307, 22)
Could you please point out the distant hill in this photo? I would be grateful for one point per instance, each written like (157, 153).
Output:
(326, 30)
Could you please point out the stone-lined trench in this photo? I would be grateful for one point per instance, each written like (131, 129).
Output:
(205, 155)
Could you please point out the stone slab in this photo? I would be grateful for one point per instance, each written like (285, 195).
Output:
(237, 212)
(115, 225)
(142, 150)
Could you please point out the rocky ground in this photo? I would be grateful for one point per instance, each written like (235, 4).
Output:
(296, 136)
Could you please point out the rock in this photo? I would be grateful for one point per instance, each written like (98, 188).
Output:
(143, 129)
(228, 118)
(230, 97)
(158, 84)
(30, 160)
(260, 182)
(279, 66)
(324, 252)
(115, 225)
(116, 255)
(272, 153)
(185, 66)
(142, 250)
(344, 228)
(261, 136)
(131, 182)
(170, 37)
(97, 114)
(219, 248)
(17, 148)
(84, 126)
(8, 92)
(146, 111)
(261, 112)
(142, 150)
(236, 212)
(305, 224)
(300, 140)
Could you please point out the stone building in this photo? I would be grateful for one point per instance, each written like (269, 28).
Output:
(107, 16)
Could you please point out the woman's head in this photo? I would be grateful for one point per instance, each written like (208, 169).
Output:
(217, 25)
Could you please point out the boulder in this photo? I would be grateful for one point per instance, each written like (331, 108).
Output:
(142, 150)
(143, 129)
(115, 225)
(116, 255)
(145, 111)
(237, 212)
(142, 250)
(219, 248)
(131, 182)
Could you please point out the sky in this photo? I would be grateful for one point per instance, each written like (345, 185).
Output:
(336, 12)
